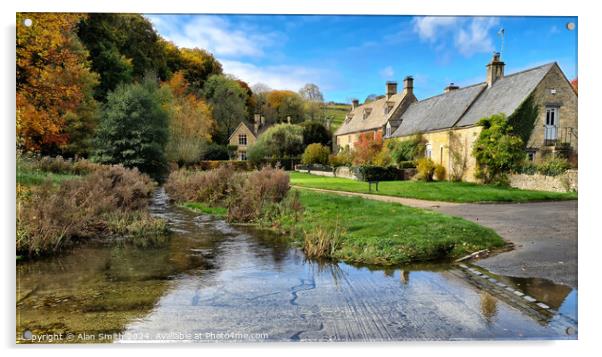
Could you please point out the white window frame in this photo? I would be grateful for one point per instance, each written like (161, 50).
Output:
(243, 156)
(428, 150)
(388, 129)
(242, 139)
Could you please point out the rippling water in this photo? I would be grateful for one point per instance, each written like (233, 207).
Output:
(218, 282)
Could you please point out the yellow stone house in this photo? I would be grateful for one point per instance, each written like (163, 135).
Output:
(448, 121)
(246, 134)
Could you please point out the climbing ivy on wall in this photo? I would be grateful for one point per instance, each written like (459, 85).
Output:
(523, 119)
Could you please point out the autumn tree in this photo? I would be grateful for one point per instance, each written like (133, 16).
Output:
(282, 104)
(228, 102)
(55, 108)
(575, 84)
(191, 123)
(367, 148)
(134, 129)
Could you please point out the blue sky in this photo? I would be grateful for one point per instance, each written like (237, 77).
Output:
(353, 56)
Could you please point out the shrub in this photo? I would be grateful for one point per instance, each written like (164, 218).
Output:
(57, 165)
(553, 166)
(111, 201)
(407, 164)
(343, 158)
(497, 151)
(246, 195)
(281, 141)
(426, 169)
(315, 154)
(379, 173)
(367, 148)
(216, 152)
(314, 132)
(440, 172)
(322, 243)
(406, 150)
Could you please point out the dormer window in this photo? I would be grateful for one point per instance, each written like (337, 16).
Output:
(388, 107)
(388, 129)
(367, 112)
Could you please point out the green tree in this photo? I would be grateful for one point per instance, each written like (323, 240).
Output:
(497, 150)
(123, 47)
(315, 154)
(228, 101)
(281, 141)
(282, 104)
(314, 132)
(134, 128)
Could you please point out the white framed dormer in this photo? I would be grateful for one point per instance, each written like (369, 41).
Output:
(388, 129)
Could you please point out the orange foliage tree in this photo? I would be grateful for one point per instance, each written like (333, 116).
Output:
(54, 81)
(191, 124)
(368, 146)
(575, 84)
(282, 104)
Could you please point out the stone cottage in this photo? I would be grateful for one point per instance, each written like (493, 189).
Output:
(448, 122)
(246, 135)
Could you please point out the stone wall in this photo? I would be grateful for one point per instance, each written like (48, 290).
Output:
(562, 183)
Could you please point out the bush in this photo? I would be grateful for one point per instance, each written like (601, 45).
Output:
(379, 173)
(553, 167)
(216, 152)
(314, 132)
(367, 148)
(214, 164)
(407, 164)
(406, 150)
(426, 169)
(57, 165)
(440, 172)
(111, 201)
(248, 196)
(343, 158)
(315, 154)
(497, 151)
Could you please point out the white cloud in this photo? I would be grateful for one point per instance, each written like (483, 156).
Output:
(430, 27)
(215, 34)
(470, 35)
(278, 77)
(387, 72)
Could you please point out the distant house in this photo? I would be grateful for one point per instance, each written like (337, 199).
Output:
(448, 122)
(246, 134)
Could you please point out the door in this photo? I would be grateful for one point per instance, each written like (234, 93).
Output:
(551, 125)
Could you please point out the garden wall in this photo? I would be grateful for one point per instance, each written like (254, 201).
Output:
(562, 183)
(342, 171)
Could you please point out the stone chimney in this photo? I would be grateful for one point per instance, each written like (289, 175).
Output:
(408, 85)
(355, 103)
(256, 122)
(450, 87)
(495, 69)
(391, 89)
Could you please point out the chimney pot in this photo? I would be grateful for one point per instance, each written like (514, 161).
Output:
(451, 87)
(408, 85)
(355, 103)
(495, 69)
(391, 87)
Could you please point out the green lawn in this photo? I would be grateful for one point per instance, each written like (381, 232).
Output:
(435, 191)
(205, 208)
(388, 233)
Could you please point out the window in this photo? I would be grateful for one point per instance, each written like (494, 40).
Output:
(388, 129)
(428, 151)
(243, 155)
(242, 139)
(531, 156)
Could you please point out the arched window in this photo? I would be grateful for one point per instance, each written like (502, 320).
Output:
(428, 151)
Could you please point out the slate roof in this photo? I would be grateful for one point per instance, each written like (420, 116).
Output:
(440, 111)
(376, 119)
(505, 95)
(466, 106)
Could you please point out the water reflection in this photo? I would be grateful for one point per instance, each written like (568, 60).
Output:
(216, 278)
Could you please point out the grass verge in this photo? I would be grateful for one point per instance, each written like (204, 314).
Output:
(201, 207)
(463, 192)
